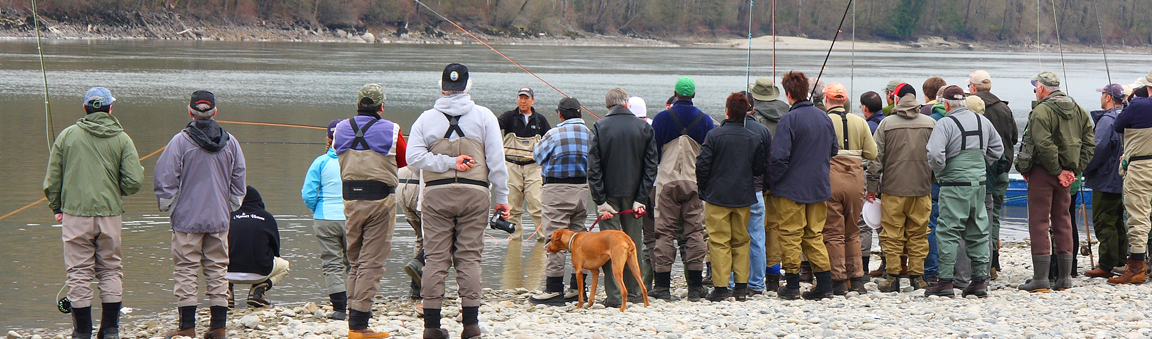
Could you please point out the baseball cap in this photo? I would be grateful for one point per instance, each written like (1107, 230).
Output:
(638, 107)
(765, 90)
(953, 92)
(455, 77)
(568, 104)
(1048, 78)
(685, 87)
(979, 77)
(836, 91)
(332, 127)
(1114, 90)
(98, 97)
(903, 89)
(370, 96)
(202, 97)
(892, 85)
(526, 91)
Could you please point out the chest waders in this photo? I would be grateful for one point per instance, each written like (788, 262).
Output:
(677, 159)
(962, 210)
(476, 177)
(366, 174)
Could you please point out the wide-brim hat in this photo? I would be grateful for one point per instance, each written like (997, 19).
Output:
(764, 90)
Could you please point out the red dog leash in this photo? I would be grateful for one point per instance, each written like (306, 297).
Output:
(634, 214)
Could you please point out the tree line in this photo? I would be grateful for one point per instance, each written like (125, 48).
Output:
(1011, 21)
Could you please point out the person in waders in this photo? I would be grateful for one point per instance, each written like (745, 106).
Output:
(1103, 176)
(408, 195)
(458, 148)
(846, 174)
(679, 210)
(523, 128)
(1136, 124)
(1057, 145)
(95, 164)
(962, 146)
(370, 150)
(997, 111)
(767, 108)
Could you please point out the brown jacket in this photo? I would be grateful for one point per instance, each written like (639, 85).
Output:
(901, 151)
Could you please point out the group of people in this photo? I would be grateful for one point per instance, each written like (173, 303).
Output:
(767, 198)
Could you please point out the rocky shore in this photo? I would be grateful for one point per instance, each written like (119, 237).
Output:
(1092, 309)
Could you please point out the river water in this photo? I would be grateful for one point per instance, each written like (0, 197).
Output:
(313, 83)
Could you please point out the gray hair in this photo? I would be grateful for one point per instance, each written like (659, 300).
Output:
(982, 87)
(615, 97)
(198, 115)
(829, 102)
(954, 104)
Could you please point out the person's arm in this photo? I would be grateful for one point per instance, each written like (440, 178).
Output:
(766, 143)
(54, 176)
(401, 148)
(595, 174)
(1046, 153)
(759, 164)
(418, 155)
(544, 150)
(876, 167)
(648, 177)
(166, 175)
(494, 157)
(237, 182)
(938, 146)
(1123, 120)
(310, 193)
(506, 123)
(995, 144)
(1087, 143)
(131, 172)
(867, 143)
(704, 165)
(781, 150)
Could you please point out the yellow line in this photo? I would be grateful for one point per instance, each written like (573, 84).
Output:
(23, 208)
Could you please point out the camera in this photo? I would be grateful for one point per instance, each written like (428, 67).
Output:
(498, 223)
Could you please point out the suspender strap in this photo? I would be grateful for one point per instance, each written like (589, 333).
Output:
(453, 125)
(684, 130)
(844, 118)
(979, 133)
(359, 140)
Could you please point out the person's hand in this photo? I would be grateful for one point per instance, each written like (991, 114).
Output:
(59, 217)
(870, 196)
(638, 210)
(464, 163)
(1066, 178)
(502, 209)
(605, 211)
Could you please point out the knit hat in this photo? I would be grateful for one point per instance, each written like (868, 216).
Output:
(685, 87)
(975, 104)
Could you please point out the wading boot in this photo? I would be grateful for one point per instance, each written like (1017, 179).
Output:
(942, 288)
(470, 318)
(879, 272)
(218, 323)
(771, 282)
(358, 326)
(918, 282)
(978, 288)
(1064, 266)
(471, 331)
(572, 294)
(741, 292)
(719, 294)
(1039, 282)
(216, 333)
(553, 294)
(82, 322)
(435, 333)
(187, 326)
(256, 294)
(823, 288)
(339, 306)
(662, 290)
(840, 287)
(415, 270)
(231, 296)
(695, 286)
(791, 289)
(414, 290)
(805, 272)
(891, 283)
(109, 321)
(707, 274)
(857, 284)
(1133, 275)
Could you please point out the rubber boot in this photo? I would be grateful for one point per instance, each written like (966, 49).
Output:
(358, 326)
(942, 288)
(339, 306)
(1039, 282)
(1064, 266)
(695, 285)
(187, 323)
(256, 294)
(1133, 275)
(823, 288)
(471, 319)
(771, 282)
(857, 284)
(891, 283)
(663, 287)
(707, 274)
(839, 287)
(109, 321)
(879, 272)
(978, 288)
(791, 289)
(805, 272)
(82, 322)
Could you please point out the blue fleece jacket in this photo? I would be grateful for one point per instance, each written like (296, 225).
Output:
(323, 190)
(1138, 114)
(1102, 173)
(802, 149)
(667, 130)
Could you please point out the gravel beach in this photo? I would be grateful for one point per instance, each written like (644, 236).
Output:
(1092, 309)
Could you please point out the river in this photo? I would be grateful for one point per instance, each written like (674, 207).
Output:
(313, 83)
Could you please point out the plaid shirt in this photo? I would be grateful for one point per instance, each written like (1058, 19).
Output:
(563, 153)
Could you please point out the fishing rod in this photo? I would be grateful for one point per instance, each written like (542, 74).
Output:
(1060, 46)
(442, 17)
(852, 79)
(826, 56)
(1039, 58)
(1103, 47)
(773, 41)
(49, 130)
(748, 74)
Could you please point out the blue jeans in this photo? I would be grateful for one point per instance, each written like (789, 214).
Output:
(931, 265)
(757, 259)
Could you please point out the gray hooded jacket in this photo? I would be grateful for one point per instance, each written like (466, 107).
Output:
(477, 122)
(200, 178)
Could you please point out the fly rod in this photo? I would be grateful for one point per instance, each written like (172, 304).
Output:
(48, 129)
(826, 56)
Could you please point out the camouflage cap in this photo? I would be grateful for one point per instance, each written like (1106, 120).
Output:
(1048, 78)
(371, 95)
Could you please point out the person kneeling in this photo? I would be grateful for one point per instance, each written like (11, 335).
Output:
(254, 251)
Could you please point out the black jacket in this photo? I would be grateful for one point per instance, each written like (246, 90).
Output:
(513, 122)
(766, 140)
(253, 238)
(1000, 115)
(730, 157)
(622, 160)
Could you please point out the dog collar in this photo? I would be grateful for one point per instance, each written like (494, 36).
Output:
(570, 239)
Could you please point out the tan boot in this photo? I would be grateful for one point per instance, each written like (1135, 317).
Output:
(365, 334)
(187, 332)
(216, 333)
(1134, 274)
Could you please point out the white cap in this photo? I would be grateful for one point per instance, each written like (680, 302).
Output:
(637, 106)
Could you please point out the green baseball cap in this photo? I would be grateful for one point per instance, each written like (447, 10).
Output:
(369, 96)
(1048, 78)
(685, 87)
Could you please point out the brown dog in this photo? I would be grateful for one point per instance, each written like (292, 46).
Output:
(590, 251)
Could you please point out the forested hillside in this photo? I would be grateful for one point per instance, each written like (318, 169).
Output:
(1123, 21)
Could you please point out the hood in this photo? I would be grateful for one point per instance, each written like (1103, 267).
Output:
(100, 124)
(907, 107)
(767, 109)
(1096, 115)
(332, 153)
(207, 134)
(1063, 102)
(989, 98)
(252, 200)
(455, 105)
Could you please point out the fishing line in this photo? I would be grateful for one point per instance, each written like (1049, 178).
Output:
(748, 74)
(48, 129)
(826, 56)
(1103, 47)
(501, 54)
(1060, 46)
(773, 41)
(852, 79)
(1039, 58)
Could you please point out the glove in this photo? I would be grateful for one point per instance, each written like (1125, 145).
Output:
(605, 211)
(638, 209)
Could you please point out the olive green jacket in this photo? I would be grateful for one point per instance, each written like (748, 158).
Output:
(1059, 136)
(93, 164)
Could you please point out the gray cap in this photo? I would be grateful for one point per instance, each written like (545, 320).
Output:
(892, 85)
(1048, 78)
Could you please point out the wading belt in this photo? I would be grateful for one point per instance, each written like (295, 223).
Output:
(1138, 158)
(359, 140)
(979, 133)
(366, 190)
(573, 180)
(454, 127)
(408, 181)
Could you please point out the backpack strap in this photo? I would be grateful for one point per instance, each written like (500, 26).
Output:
(359, 140)
(979, 133)
(453, 125)
(684, 130)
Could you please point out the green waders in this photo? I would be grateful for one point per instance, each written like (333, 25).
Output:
(962, 209)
